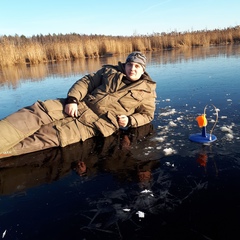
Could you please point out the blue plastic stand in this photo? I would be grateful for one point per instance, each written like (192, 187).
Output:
(203, 137)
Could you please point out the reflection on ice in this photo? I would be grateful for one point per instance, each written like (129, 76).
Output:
(134, 204)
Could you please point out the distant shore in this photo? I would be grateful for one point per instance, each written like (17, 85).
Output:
(58, 47)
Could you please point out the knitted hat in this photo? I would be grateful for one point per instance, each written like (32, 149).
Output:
(137, 57)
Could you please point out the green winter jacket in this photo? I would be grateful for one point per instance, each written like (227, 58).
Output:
(107, 96)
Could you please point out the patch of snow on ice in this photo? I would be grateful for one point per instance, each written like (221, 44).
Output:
(168, 151)
(229, 136)
(226, 129)
(164, 114)
(160, 139)
(172, 124)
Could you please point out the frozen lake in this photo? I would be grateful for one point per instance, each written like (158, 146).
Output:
(148, 183)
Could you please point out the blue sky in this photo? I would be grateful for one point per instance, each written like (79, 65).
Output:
(124, 17)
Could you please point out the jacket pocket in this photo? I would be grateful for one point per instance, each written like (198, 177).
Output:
(87, 117)
(68, 133)
(113, 118)
(107, 124)
(105, 127)
(73, 131)
(54, 108)
(131, 99)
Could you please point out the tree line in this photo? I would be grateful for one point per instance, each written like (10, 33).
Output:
(57, 47)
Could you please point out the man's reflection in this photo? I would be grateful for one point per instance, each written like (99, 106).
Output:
(115, 154)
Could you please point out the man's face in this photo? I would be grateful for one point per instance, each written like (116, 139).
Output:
(133, 71)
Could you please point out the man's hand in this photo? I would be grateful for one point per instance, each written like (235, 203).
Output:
(71, 109)
(122, 120)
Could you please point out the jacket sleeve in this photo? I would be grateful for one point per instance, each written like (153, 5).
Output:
(85, 85)
(144, 113)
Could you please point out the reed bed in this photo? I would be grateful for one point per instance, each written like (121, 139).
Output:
(10, 75)
(49, 48)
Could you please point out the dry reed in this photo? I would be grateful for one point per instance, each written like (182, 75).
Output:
(39, 49)
(79, 67)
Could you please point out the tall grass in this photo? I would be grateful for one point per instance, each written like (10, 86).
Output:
(44, 48)
(10, 75)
